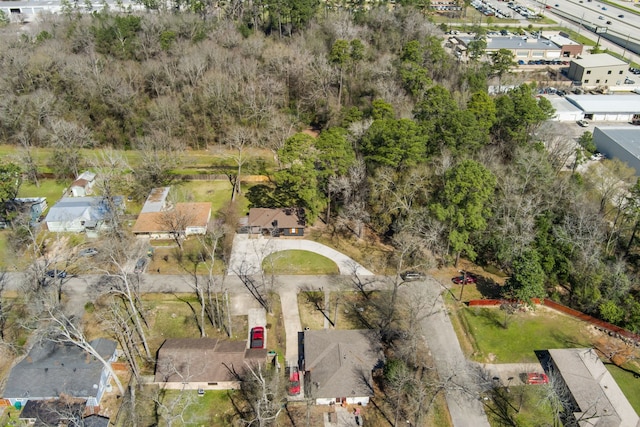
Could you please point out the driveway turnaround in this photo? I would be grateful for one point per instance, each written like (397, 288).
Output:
(249, 251)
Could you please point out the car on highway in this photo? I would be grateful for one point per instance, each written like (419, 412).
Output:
(608, 22)
(465, 278)
(583, 123)
(409, 276)
(536, 378)
(60, 274)
(620, 16)
(140, 265)
(257, 337)
(88, 252)
(601, 17)
(294, 382)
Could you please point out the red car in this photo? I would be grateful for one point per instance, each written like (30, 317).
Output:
(257, 337)
(294, 382)
(535, 378)
(464, 279)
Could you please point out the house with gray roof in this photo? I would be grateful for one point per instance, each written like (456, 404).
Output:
(339, 364)
(204, 363)
(53, 369)
(80, 214)
(596, 398)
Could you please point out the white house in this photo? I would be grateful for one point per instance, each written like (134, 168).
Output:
(78, 214)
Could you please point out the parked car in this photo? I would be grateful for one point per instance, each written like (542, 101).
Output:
(88, 252)
(257, 337)
(465, 278)
(536, 378)
(294, 382)
(409, 276)
(140, 265)
(583, 123)
(60, 274)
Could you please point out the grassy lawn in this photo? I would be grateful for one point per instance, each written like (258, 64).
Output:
(526, 332)
(298, 262)
(49, 188)
(629, 384)
(7, 259)
(172, 318)
(526, 406)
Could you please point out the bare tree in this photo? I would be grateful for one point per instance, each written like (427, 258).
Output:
(66, 330)
(175, 222)
(264, 394)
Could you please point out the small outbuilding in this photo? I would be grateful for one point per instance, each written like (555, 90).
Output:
(83, 185)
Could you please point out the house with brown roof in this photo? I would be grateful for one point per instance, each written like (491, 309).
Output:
(339, 364)
(159, 219)
(204, 363)
(83, 185)
(274, 222)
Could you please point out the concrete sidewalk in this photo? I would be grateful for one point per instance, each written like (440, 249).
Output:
(249, 251)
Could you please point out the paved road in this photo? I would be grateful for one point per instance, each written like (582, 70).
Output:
(249, 252)
(463, 378)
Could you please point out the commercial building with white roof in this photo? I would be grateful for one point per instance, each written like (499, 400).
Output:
(612, 108)
(523, 48)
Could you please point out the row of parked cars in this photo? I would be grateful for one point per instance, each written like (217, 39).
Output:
(543, 62)
(634, 70)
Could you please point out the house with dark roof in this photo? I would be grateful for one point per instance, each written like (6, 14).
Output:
(339, 364)
(95, 420)
(83, 185)
(204, 363)
(596, 398)
(56, 412)
(274, 222)
(52, 369)
(159, 219)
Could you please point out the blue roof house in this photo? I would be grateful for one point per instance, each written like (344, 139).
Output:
(80, 214)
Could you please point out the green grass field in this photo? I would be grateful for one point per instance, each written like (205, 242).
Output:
(49, 188)
(526, 332)
(298, 262)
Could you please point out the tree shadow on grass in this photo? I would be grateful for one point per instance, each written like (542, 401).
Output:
(493, 316)
(488, 288)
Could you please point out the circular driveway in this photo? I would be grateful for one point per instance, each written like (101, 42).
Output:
(249, 251)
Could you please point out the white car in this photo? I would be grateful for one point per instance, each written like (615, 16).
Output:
(583, 123)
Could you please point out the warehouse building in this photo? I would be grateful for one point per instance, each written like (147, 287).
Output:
(610, 108)
(565, 111)
(622, 143)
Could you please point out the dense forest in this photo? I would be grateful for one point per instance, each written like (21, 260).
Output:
(410, 144)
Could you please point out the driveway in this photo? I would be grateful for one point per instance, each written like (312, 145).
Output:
(462, 377)
(248, 253)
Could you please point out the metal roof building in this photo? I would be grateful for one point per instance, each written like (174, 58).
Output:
(622, 143)
(619, 108)
(565, 110)
(523, 48)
